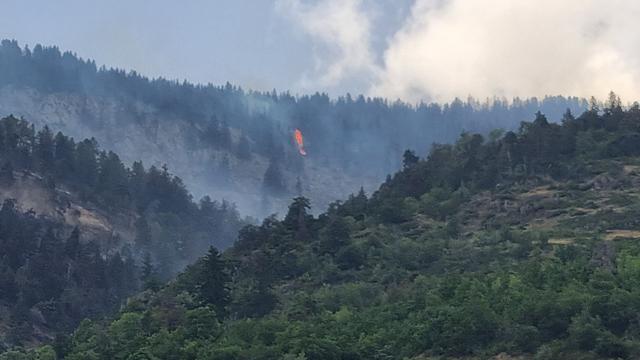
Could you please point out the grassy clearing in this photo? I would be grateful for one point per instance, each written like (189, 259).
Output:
(628, 234)
(561, 241)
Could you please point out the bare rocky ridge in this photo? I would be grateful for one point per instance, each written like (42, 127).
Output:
(31, 192)
(141, 132)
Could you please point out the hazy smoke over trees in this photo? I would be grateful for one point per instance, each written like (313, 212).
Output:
(222, 140)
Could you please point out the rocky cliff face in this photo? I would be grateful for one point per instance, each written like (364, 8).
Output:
(32, 192)
(137, 131)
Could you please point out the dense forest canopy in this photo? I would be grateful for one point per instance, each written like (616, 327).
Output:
(328, 124)
(521, 240)
(51, 274)
(523, 244)
(50, 280)
(358, 136)
(168, 221)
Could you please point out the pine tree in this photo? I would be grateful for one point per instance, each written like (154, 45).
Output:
(213, 282)
(568, 118)
(298, 219)
(149, 275)
(359, 204)
(44, 150)
(409, 158)
(64, 156)
(335, 236)
(137, 180)
(613, 103)
(87, 163)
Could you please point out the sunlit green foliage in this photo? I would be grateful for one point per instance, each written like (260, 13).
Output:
(399, 276)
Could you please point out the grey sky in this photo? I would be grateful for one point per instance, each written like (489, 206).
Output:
(244, 42)
(410, 49)
(250, 43)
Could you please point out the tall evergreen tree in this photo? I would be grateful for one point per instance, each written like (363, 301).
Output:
(149, 274)
(44, 149)
(213, 282)
(64, 156)
(409, 158)
(298, 218)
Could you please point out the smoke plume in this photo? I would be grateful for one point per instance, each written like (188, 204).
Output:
(455, 48)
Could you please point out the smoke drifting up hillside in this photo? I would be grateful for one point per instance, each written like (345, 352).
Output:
(237, 145)
(449, 48)
(343, 33)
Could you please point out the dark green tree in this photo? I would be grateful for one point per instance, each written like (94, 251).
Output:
(213, 282)
(87, 163)
(409, 158)
(298, 220)
(335, 236)
(64, 155)
(149, 274)
(44, 150)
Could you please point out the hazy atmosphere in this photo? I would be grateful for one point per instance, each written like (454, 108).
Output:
(413, 50)
(319, 180)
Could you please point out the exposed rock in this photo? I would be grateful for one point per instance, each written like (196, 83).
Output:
(31, 193)
(137, 131)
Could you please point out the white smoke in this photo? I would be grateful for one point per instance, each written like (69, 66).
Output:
(484, 48)
(341, 31)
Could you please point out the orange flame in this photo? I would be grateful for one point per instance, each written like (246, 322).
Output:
(299, 141)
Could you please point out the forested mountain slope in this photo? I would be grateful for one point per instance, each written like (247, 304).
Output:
(80, 231)
(524, 245)
(236, 144)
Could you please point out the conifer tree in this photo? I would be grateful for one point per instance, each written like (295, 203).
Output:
(213, 282)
